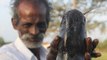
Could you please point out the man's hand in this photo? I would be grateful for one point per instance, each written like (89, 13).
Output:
(53, 49)
(89, 51)
(90, 48)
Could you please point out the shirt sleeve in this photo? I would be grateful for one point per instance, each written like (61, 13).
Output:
(5, 57)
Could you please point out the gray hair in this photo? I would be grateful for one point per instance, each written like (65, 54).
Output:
(16, 3)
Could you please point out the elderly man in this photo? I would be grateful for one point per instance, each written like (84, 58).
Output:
(30, 19)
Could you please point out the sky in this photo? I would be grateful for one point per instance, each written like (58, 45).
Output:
(9, 34)
(6, 29)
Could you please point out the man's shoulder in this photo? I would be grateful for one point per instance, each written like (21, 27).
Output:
(6, 47)
(6, 52)
(9, 51)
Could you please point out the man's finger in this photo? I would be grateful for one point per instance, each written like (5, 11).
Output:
(88, 48)
(88, 44)
(95, 54)
(87, 56)
(95, 43)
(55, 42)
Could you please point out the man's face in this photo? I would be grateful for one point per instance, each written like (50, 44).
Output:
(32, 23)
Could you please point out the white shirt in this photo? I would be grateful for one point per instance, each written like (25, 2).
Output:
(18, 51)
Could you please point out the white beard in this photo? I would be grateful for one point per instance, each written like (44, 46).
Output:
(25, 38)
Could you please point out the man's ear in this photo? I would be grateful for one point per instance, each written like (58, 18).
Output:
(14, 23)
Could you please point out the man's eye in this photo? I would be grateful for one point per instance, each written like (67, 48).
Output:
(41, 25)
(27, 25)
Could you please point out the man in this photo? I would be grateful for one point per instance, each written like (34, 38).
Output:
(30, 19)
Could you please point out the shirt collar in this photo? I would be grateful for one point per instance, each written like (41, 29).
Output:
(23, 49)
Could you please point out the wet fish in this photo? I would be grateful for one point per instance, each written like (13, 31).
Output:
(73, 34)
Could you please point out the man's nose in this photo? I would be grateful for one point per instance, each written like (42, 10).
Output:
(33, 30)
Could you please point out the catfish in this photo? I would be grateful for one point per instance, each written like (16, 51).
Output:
(73, 34)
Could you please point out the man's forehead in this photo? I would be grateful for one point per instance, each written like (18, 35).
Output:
(31, 8)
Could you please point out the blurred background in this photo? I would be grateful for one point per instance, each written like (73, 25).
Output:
(94, 11)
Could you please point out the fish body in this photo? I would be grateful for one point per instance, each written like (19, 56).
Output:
(73, 37)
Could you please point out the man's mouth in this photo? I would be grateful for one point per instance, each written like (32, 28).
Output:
(35, 39)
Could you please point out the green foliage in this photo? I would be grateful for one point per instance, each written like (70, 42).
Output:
(1, 41)
(94, 25)
(103, 45)
(96, 8)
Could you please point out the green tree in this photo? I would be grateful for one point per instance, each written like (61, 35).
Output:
(1, 41)
(89, 8)
(103, 45)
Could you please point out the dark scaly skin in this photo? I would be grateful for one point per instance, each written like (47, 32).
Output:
(73, 24)
(76, 35)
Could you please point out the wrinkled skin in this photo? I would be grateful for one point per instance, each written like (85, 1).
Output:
(31, 24)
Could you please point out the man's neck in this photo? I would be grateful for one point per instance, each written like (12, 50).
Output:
(36, 52)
